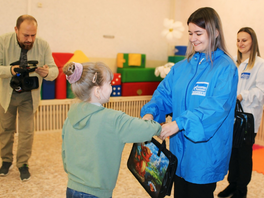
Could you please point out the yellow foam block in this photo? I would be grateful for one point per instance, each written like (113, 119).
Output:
(79, 57)
(134, 59)
(120, 60)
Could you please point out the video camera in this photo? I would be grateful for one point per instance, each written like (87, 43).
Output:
(22, 81)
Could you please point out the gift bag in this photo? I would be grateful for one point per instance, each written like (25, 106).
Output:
(243, 127)
(153, 166)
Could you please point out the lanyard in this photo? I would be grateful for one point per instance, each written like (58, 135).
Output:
(245, 67)
(245, 75)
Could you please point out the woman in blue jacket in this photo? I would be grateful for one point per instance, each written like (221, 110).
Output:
(200, 92)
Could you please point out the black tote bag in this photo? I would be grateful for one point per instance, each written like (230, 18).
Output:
(153, 166)
(243, 127)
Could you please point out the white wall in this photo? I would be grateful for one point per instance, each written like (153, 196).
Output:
(234, 15)
(80, 25)
(70, 25)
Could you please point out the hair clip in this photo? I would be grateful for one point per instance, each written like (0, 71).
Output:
(94, 77)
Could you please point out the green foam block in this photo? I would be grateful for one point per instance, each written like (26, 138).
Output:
(138, 75)
(175, 59)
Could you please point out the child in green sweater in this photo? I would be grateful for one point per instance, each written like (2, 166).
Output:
(93, 137)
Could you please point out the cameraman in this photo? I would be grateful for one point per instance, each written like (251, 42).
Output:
(21, 45)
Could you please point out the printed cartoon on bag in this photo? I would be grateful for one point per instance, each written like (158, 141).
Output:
(148, 166)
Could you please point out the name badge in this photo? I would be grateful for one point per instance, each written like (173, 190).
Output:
(200, 88)
(245, 75)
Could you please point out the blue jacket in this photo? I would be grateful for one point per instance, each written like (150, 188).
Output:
(202, 98)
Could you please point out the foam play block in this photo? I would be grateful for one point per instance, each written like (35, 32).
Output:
(79, 57)
(131, 60)
(61, 59)
(138, 75)
(116, 90)
(175, 59)
(116, 79)
(181, 50)
(48, 90)
(69, 92)
(139, 88)
(60, 83)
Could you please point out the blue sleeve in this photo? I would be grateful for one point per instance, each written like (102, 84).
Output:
(161, 102)
(201, 123)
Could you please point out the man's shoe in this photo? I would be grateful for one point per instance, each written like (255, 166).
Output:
(4, 170)
(24, 173)
(227, 192)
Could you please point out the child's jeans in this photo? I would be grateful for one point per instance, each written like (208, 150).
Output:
(76, 194)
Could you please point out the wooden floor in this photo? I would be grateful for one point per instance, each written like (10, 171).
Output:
(49, 180)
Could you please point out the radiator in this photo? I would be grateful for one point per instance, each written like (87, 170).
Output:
(51, 114)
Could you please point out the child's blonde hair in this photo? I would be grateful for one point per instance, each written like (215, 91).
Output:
(93, 74)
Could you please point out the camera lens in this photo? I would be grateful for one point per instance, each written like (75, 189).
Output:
(28, 82)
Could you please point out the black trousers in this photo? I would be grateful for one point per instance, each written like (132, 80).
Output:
(240, 168)
(184, 189)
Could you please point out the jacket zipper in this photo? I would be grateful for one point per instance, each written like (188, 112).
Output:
(199, 62)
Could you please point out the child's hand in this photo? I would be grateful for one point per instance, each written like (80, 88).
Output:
(148, 117)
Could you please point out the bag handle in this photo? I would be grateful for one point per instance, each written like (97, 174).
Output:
(239, 106)
(162, 147)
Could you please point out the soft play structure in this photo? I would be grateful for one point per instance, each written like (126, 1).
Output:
(61, 88)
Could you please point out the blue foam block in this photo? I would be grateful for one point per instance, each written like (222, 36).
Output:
(181, 50)
(48, 89)
(116, 90)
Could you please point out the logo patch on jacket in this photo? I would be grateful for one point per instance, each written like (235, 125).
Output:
(200, 88)
(245, 75)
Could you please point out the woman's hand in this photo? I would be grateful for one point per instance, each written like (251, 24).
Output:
(169, 129)
(148, 117)
(239, 97)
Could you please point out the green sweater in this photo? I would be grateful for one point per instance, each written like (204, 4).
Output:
(93, 138)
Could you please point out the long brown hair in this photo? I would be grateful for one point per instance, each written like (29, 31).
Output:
(208, 19)
(254, 50)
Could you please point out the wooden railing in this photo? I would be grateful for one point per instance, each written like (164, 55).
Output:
(51, 114)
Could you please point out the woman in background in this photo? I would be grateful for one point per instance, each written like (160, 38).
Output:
(200, 92)
(250, 93)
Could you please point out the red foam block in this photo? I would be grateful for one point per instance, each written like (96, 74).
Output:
(60, 60)
(139, 88)
(116, 79)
